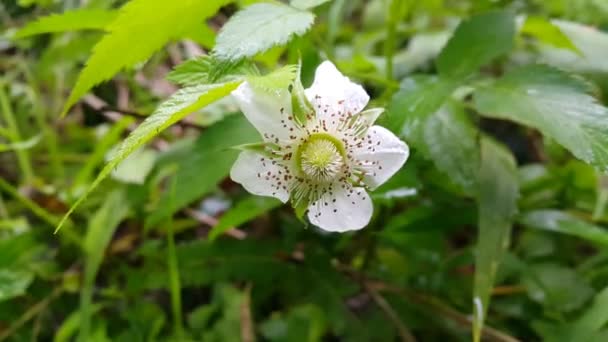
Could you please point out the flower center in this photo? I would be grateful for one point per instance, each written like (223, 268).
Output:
(321, 157)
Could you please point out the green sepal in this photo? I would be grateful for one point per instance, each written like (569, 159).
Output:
(262, 148)
(301, 107)
(300, 209)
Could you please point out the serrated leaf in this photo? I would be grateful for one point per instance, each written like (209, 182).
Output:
(208, 69)
(307, 4)
(178, 106)
(451, 142)
(554, 102)
(80, 19)
(242, 212)
(259, 27)
(562, 222)
(131, 39)
(497, 201)
(278, 79)
(476, 42)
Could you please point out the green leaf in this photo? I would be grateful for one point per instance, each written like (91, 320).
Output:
(554, 102)
(591, 42)
(259, 27)
(278, 79)
(182, 103)
(476, 42)
(99, 233)
(14, 283)
(80, 19)
(419, 97)
(562, 222)
(450, 140)
(498, 193)
(194, 177)
(594, 319)
(548, 32)
(242, 212)
(208, 69)
(307, 4)
(131, 39)
(21, 145)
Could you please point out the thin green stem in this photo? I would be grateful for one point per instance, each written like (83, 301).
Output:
(23, 157)
(3, 211)
(40, 117)
(174, 277)
(390, 42)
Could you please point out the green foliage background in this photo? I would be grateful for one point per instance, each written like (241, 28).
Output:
(116, 133)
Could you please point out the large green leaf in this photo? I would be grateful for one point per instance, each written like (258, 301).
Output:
(258, 28)
(80, 19)
(208, 162)
(244, 211)
(476, 42)
(418, 97)
(99, 233)
(498, 193)
(131, 39)
(450, 140)
(554, 102)
(562, 222)
(182, 103)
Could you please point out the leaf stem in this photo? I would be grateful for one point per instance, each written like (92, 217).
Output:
(15, 136)
(174, 278)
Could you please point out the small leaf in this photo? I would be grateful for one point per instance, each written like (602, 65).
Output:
(182, 103)
(242, 212)
(562, 222)
(259, 27)
(591, 42)
(476, 42)
(131, 39)
(497, 201)
(80, 19)
(554, 102)
(21, 145)
(548, 32)
(14, 283)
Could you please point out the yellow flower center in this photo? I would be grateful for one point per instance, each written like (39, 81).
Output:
(321, 158)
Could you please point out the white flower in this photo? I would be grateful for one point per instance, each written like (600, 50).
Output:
(327, 162)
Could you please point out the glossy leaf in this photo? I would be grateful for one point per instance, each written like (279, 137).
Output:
(554, 102)
(476, 42)
(81, 19)
(259, 27)
(498, 193)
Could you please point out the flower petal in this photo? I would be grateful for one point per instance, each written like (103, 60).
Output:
(382, 155)
(270, 113)
(333, 95)
(342, 209)
(260, 175)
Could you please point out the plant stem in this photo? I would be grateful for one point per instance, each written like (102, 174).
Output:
(13, 130)
(174, 278)
(45, 128)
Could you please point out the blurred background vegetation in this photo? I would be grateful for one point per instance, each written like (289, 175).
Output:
(168, 248)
